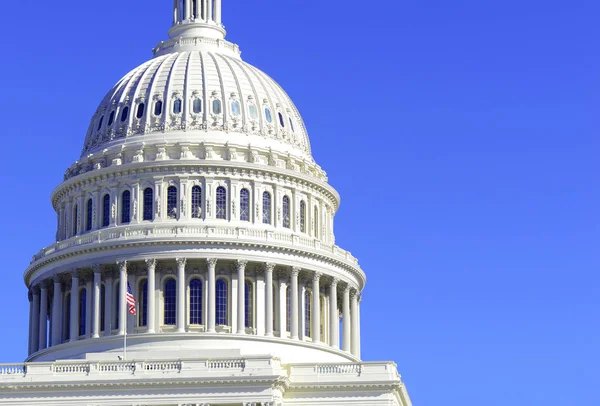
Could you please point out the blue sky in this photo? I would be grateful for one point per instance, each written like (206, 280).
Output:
(461, 135)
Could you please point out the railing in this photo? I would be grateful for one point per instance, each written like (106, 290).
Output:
(162, 366)
(70, 368)
(350, 369)
(227, 364)
(144, 231)
(13, 369)
(117, 367)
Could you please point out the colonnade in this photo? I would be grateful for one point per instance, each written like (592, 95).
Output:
(60, 313)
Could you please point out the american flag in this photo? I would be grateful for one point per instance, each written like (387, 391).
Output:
(130, 299)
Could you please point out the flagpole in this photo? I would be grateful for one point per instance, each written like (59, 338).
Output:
(125, 340)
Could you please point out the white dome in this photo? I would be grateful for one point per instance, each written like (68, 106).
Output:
(197, 90)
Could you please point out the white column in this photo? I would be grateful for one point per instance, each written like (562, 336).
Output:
(316, 308)
(346, 320)
(175, 12)
(88, 308)
(96, 298)
(210, 11)
(122, 296)
(283, 307)
(108, 304)
(35, 333)
(358, 327)
(354, 322)
(74, 314)
(334, 320)
(151, 265)
(241, 297)
(30, 340)
(187, 7)
(212, 305)
(181, 294)
(218, 11)
(294, 311)
(57, 312)
(43, 330)
(269, 294)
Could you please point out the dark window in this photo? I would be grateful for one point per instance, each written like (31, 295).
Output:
(216, 106)
(268, 115)
(158, 108)
(67, 325)
(172, 202)
(116, 291)
(245, 205)
(307, 309)
(177, 106)
(281, 120)
(221, 203)
(195, 301)
(288, 306)
(249, 300)
(124, 113)
(126, 207)
(291, 125)
(82, 311)
(75, 217)
(316, 222)
(302, 217)
(89, 215)
(143, 303)
(196, 202)
(102, 306)
(221, 302)
(266, 208)
(111, 118)
(100, 122)
(286, 212)
(140, 110)
(148, 203)
(170, 309)
(106, 210)
(197, 106)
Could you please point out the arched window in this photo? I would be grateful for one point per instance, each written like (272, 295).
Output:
(253, 111)
(196, 202)
(126, 207)
(307, 311)
(286, 212)
(82, 311)
(177, 106)
(291, 125)
(140, 110)
(67, 316)
(288, 307)
(244, 205)
(221, 302)
(266, 212)
(148, 203)
(316, 222)
(196, 301)
(281, 120)
(106, 210)
(102, 306)
(89, 215)
(216, 106)
(197, 105)
(268, 115)
(235, 108)
(158, 107)
(170, 305)
(75, 217)
(100, 123)
(143, 303)
(221, 203)
(302, 217)
(111, 118)
(248, 306)
(172, 202)
(124, 113)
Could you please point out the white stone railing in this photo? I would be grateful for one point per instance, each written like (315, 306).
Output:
(227, 364)
(210, 232)
(76, 368)
(13, 369)
(352, 369)
(162, 366)
(342, 372)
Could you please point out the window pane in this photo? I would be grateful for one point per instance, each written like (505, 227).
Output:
(221, 203)
(102, 306)
(82, 311)
(249, 299)
(196, 301)
(177, 106)
(253, 111)
(291, 124)
(125, 113)
(100, 123)
(266, 208)
(148, 203)
(196, 202)
(158, 108)
(268, 115)
(106, 210)
(221, 302)
(216, 106)
(170, 308)
(126, 207)
(197, 106)
(172, 202)
(288, 306)
(235, 108)
(88, 222)
(111, 118)
(245, 205)
(140, 110)
(302, 217)
(75, 217)
(307, 297)
(281, 120)
(316, 222)
(286, 212)
(143, 304)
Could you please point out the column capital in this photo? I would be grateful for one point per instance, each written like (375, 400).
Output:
(122, 265)
(212, 262)
(97, 268)
(241, 263)
(270, 266)
(57, 279)
(317, 276)
(347, 288)
(354, 293)
(74, 274)
(181, 262)
(151, 263)
(334, 282)
(295, 271)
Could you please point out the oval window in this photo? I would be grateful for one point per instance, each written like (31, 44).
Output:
(177, 106)
(235, 108)
(100, 122)
(281, 120)
(216, 106)
(253, 111)
(125, 113)
(291, 125)
(140, 110)
(197, 106)
(158, 108)
(268, 115)
(111, 118)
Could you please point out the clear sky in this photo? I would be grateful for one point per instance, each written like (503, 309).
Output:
(461, 135)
